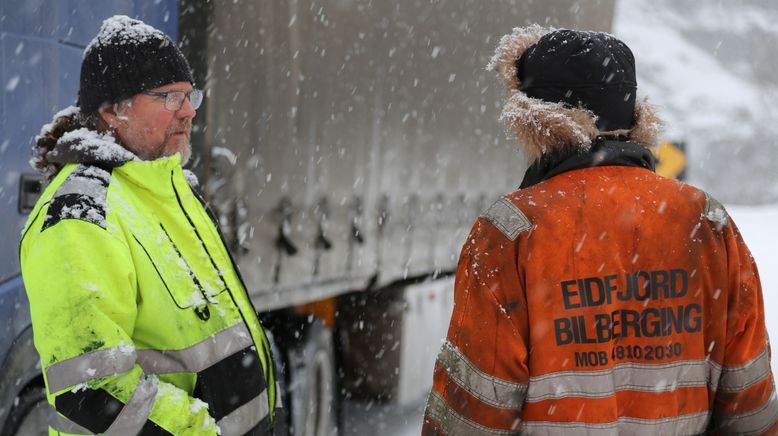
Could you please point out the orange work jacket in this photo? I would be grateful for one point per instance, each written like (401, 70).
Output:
(604, 300)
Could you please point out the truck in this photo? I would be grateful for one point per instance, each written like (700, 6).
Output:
(345, 147)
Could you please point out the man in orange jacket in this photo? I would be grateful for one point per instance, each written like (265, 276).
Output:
(599, 298)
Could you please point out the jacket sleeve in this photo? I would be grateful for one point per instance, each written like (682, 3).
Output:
(745, 401)
(481, 375)
(82, 291)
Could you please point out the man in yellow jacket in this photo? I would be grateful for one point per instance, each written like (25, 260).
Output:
(141, 319)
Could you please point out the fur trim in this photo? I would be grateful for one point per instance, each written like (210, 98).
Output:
(648, 125)
(545, 127)
(542, 127)
(510, 49)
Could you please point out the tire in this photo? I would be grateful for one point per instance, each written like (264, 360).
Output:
(312, 383)
(29, 415)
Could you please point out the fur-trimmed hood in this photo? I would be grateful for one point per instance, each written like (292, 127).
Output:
(90, 147)
(544, 127)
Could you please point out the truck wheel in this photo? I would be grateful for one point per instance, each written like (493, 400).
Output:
(312, 383)
(29, 415)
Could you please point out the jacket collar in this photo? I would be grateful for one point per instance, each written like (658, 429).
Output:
(85, 146)
(156, 176)
(604, 152)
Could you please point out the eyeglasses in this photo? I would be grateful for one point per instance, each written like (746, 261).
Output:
(174, 100)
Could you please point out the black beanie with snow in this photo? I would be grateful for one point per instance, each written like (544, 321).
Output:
(126, 58)
(592, 70)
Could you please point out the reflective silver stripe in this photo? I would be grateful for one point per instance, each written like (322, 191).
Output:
(715, 374)
(87, 187)
(245, 417)
(199, 356)
(626, 376)
(136, 412)
(453, 424)
(64, 425)
(487, 388)
(279, 403)
(82, 186)
(694, 423)
(741, 377)
(508, 218)
(714, 210)
(89, 366)
(130, 420)
(754, 422)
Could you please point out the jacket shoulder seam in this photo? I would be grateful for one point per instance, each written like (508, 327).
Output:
(508, 218)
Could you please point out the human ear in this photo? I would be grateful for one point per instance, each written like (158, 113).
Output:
(110, 114)
(115, 114)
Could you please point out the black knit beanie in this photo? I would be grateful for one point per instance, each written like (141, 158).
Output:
(126, 58)
(589, 69)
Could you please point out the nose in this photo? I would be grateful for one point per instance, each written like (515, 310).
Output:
(187, 110)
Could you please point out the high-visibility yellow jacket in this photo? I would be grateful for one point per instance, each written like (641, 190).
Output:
(604, 300)
(139, 315)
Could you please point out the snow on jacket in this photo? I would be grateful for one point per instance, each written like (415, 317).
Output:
(604, 299)
(139, 315)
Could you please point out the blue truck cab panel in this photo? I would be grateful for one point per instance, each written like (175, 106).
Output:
(41, 46)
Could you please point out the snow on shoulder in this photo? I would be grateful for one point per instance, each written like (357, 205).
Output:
(124, 30)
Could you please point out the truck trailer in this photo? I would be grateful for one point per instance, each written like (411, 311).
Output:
(345, 148)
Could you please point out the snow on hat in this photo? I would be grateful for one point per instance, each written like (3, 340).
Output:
(566, 87)
(126, 58)
(589, 69)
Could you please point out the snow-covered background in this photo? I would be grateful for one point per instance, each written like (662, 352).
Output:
(710, 66)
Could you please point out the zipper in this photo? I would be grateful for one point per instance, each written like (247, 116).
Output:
(205, 247)
(200, 238)
(270, 367)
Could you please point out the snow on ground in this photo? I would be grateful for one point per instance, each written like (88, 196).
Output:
(384, 419)
(758, 226)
